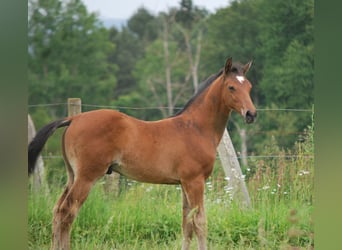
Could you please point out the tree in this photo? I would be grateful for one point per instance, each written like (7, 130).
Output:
(162, 69)
(190, 21)
(278, 36)
(161, 75)
(128, 51)
(144, 25)
(131, 43)
(287, 40)
(67, 51)
(170, 59)
(233, 31)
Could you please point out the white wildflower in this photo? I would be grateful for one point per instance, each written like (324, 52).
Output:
(303, 172)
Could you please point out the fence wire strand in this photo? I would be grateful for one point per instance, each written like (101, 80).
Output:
(161, 107)
(142, 108)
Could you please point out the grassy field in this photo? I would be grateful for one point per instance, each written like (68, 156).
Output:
(149, 216)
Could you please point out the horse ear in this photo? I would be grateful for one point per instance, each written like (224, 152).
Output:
(247, 66)
(228, 66)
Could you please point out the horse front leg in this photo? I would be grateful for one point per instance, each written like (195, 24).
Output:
(187, 224)
(194, 218)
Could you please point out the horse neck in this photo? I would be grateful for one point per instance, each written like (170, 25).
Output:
(208, 111)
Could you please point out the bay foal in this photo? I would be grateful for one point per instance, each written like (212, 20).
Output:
(177, 150)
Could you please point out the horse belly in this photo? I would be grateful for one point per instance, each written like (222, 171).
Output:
(147, 169)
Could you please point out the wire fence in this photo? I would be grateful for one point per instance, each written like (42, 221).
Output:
(153, 107)
(283, 133)
(238, 157)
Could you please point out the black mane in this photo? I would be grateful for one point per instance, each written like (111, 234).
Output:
(202, 87)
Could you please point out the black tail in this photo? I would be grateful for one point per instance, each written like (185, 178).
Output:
(38, 142)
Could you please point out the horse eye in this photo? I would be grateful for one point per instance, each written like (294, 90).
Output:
(231, 88)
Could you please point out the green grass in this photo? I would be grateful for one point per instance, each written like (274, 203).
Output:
(149, 216)
(152, 220)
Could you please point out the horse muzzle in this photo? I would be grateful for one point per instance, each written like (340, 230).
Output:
(250, 116)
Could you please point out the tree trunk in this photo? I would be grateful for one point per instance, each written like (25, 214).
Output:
(167, 68)
(193, 59)
(197, 60)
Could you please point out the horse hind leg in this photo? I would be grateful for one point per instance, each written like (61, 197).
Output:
(71, 177)
(57, 208)
(67, 212)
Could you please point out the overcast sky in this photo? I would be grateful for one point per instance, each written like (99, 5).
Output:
(124, 9)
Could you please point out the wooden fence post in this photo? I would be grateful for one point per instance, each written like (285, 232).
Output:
(232, 170)
(74, 106)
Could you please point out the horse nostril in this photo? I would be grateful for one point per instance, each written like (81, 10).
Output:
(250, 116)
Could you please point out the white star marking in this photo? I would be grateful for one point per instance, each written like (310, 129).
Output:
(240, 79)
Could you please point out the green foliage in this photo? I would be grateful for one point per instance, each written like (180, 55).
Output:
(40, 117)
(131, 49)
(233, 31)
(144, 25)
(67, 50)
(290, 84)
(276, 125)
(287, 49)
(189, 15)
(150, 74)
(283, 22)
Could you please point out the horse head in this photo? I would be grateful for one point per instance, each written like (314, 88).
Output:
(237, 90)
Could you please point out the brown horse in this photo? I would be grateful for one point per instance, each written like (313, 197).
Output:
(177, 150)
